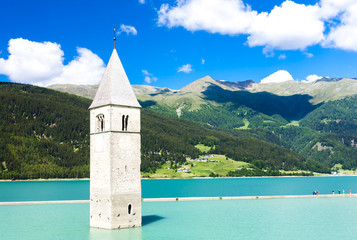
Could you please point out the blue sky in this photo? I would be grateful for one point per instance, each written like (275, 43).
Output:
(44, 42)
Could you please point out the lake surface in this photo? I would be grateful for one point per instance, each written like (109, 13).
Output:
(309, 218)
(162, 188)
(297, 218)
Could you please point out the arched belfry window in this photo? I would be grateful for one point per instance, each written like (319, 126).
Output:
(125, 120)
(100, 123)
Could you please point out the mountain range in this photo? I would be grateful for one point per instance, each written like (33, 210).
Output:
(321, 90)
(272, 126)
(259, 104)
(45, 134)
(316, 119)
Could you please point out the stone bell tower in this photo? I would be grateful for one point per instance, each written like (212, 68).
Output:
(115, 188)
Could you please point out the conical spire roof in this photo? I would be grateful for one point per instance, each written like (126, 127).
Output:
(115, 88)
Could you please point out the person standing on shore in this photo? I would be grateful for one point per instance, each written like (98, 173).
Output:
(333, 192)
(339, 191)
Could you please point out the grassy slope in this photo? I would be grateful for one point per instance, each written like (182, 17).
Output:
(323, 90)
(203, 148)
(199, 169)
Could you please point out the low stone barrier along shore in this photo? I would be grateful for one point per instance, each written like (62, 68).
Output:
(186, 199)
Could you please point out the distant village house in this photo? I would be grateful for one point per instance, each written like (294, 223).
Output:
(186, 170)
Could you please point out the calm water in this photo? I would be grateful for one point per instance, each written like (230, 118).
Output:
(79, 190)
(311, 218)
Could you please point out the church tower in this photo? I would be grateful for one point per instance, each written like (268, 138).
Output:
(115, 187)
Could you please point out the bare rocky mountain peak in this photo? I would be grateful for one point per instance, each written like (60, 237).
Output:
(321, 90)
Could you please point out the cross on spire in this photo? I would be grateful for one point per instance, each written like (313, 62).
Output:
(114, 38)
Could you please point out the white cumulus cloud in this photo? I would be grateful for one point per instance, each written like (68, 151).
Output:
(187, 68)
(41, 63)
(277, 77)
(289, 26)
(142, 1)
(127, 29)
(311, 78)
(331, 8)
(148, 77)
(344, 35)
(32, 62)
(86, 68)
(215, 16)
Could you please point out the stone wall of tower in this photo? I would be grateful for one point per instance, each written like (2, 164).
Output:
(115, 199)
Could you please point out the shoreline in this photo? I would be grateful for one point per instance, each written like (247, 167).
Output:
(87, 179)
(322, 175)
(45, 180)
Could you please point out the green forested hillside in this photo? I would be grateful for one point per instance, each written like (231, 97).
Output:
(45, 134)
(229, 116)
(338, 116)
(164, 134)
(228, 109)
(315, 119)
(328, 133)
(327, 148)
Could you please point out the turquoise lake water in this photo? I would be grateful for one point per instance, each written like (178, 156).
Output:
(79, 190)
(309, 218)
